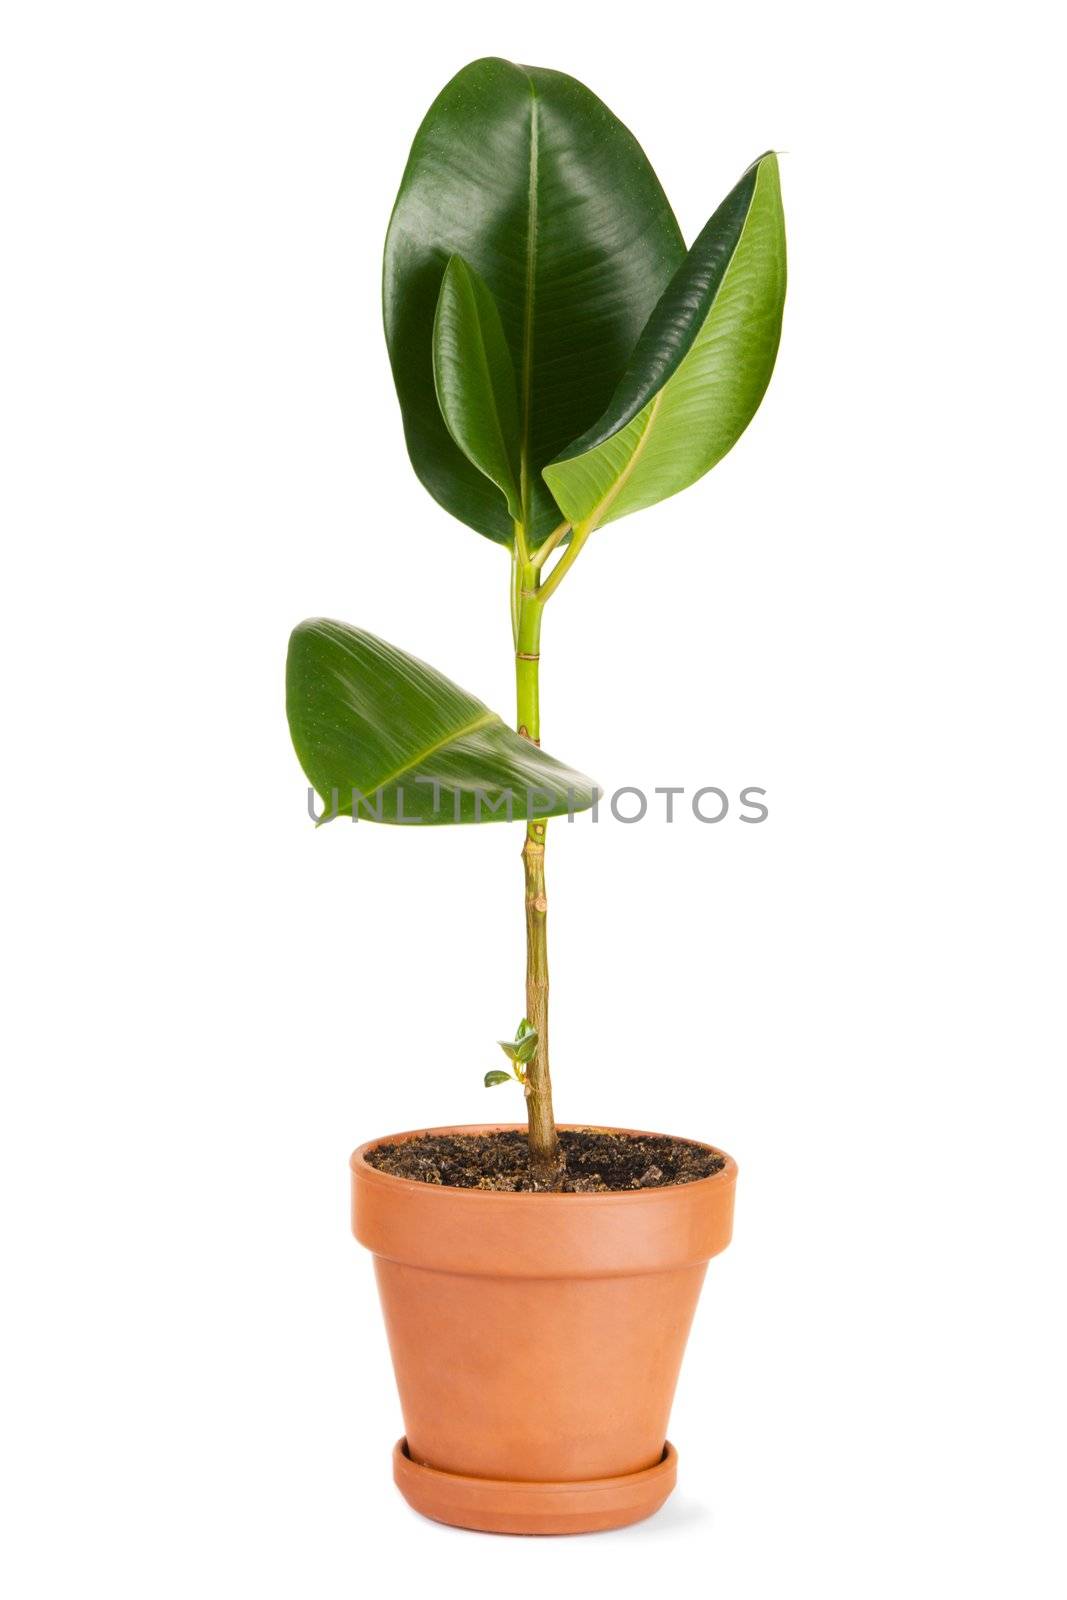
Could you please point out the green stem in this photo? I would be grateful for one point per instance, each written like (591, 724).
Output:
(528, 652)
(543, 1141)
(578, 537)
(542, 555)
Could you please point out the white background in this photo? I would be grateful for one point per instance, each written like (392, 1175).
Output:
(209, 1003)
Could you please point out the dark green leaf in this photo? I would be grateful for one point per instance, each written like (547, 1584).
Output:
(700, 368)
(366, 718)
(496, 1076)
(531, 179)
(475, 380)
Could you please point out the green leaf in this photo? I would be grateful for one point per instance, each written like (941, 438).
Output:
(496, 1076)
(368, 720)
(531, 179)
(699, 370)
(475, 380)
(525, 1042)
(521, 1049)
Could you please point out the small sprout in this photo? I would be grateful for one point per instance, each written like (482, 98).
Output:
(526, 1041)
(519, 1051)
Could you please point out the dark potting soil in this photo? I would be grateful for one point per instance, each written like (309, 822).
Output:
(596, 1162)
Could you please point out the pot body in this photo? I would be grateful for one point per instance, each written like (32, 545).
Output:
(537, 1338)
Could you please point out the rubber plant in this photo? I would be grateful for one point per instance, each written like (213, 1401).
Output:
(561, 360)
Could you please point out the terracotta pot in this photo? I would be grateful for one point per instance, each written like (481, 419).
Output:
(537, 1340)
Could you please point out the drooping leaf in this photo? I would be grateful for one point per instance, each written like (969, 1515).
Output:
(699, 370)
(496, 1076)
(403, 743)
(531, 179)
(475, 380)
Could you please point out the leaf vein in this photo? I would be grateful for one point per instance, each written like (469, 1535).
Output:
(624, 476)
(480, 721)
(528, 308)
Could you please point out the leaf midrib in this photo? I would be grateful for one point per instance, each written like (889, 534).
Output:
(624, 476)
(481, 721)
(528, 308)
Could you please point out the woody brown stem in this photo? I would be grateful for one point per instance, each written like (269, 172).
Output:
(544, 1144)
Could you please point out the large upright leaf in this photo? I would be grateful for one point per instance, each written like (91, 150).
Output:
(699, 370)
(475, 380)
(531, 179)
(413, 746)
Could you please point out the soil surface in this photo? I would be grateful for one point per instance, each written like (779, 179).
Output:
(596, 1162)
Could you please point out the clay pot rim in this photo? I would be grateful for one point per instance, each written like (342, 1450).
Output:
(726, 1175)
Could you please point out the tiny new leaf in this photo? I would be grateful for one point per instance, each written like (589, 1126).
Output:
(522, 1048)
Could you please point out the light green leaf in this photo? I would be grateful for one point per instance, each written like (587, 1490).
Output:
(699, 370)
(386, 733)
(475, 380)
(523, 1047)
(525, 1042)
(496, 1076)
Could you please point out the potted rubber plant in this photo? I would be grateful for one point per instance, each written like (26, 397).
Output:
(561, 360)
